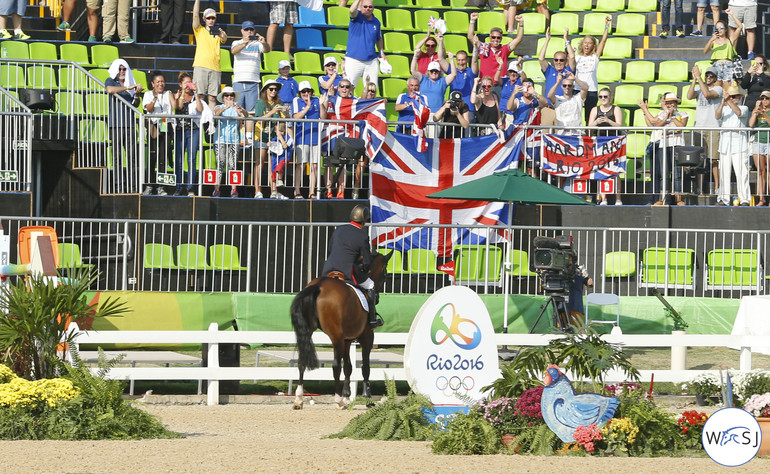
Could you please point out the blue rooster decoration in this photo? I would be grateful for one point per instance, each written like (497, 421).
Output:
(563, 410)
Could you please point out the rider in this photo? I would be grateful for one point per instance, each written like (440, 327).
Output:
(351, 255)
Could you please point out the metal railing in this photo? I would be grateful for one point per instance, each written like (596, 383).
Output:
(269, 257)
(15, 144)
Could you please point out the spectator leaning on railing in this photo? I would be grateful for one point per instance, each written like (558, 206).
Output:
(207, 72)
(121, 120)
(759, 119)
(228, 136)
(159, 101)
(733, 147)
(307, 139)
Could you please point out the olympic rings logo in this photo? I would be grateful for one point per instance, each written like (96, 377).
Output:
(455, 385)
(439, 328)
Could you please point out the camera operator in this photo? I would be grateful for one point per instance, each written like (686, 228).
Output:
(456, 111)
(575, 308)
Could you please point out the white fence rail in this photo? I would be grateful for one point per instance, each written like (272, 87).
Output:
(213, 373)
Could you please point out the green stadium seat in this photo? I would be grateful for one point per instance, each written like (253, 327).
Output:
(225, 257)
(41, 77)
(396, 263)
(636, 144)
(421, 18)
(458, 4)
(456, 22)
(532, 70)
(576, 5)
(630, 24)
(390, 113)
(73, 79)
(398, 3)
(673, 71)
(422, 261)
(93, 131)
(338, 16)
(703, 65)
(191, 257)
(75, 52)
(70, 103)
(307, 62)
(477, 263)
(617, 48)
(70, 257)
(554, 46)
(141, 78)
(488, 20)
(102, 55)
(610, 5)
(689, 103)
(225, 60)
(378, 14)
(313, 80)
(639, 71)
(42, 50)
(534, 23)
(730, 269)
(338, 56)
(337, 39)
(642, 6)
(397, 19)
(628, 95)
(396, 42)
(609, 71)
(455, 43)
(655, 92)
(392, 87)
(159, 257)
(14, 50)
(625, 117)
(639, 120)
(400, 66)
(430, 4)
(100, 74)
(619, 264)
(677, 273)
(272, 59)
(561, 21)
(519, 264)
(593, 24)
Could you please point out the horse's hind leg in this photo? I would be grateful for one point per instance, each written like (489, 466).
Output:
(336, 368)
(348, 372)
(366, 340)
(299, 394)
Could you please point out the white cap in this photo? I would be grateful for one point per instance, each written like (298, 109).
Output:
(208, 12)
(305, 85)
(434, 66)
(330, 60)
(283, 63)
(512, 67)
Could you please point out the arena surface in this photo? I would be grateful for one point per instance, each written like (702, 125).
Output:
(275, 438)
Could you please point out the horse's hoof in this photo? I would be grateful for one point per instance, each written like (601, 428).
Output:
(298, 404)
(370, 405)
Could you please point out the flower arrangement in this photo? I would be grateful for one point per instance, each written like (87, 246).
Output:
(704, 384)
(619, 434)
(528, 406)
(18, 392)
(752, 382)
(501, 414)
(691, 425)
(758, 404)
(616, 390)
(586, 435)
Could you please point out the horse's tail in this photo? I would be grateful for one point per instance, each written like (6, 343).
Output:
(303, 312)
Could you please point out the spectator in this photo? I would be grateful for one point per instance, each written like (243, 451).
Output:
(370, 89)
(759, 119)
(523, 103)
(755, 81)
(700, 15)
(92, 17)
(665, 11)
(228, 136)
(586, 62)
(364, 33)
(187, 137)
(454, 111)
(488, 53)
(434, 51)
(116, 13)
(669, 117)
(733, 147)
(507, 86)
(247, 56)
(370, 92)
(268, 106)
(569, 106)
(464, 80)
(510, 8)
(561, 61)
(432, 85)
(709, 95)
(280, 150)
(121, 83)
(328, 83)
(158, 101)
(487, 105)
(607, 115)
(289, 85)
(745, 17)
(15, 9)
(308, 141)
(171, 18)
(407, 102)
(722, 50)
(207, 73)
(282, 11)
(344, 91)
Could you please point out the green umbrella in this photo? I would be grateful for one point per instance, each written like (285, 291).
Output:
(509, 186)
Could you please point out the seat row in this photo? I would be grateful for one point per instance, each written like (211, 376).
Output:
(192, 257)
(100, 55)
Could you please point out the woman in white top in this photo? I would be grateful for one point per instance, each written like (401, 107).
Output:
(158, 101)
(586, 62)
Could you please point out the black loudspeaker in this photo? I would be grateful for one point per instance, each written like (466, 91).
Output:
(37, 99)
(689, 155)
(346, 151)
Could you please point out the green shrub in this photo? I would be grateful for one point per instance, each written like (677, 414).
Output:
(658, 430)
(468, 434)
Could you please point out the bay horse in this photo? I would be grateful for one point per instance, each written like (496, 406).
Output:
(331, 305)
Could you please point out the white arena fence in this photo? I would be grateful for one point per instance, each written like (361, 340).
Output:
(213, 372)
(15, 143)
(281, 257)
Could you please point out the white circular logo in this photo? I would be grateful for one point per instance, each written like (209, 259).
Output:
(731, 437)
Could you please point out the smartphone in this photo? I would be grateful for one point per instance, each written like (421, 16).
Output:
(192, 85)
(214, 30)
(753, 63)
(253, 38)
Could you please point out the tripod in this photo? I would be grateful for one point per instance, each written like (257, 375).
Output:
(560, 315)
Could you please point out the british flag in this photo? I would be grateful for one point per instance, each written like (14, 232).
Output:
(372, 125)
(421, 117)
(584, 157)
(402, 178)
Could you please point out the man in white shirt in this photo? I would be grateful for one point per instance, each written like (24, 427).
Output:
(569, 106)
(247, 56)
(709, 96)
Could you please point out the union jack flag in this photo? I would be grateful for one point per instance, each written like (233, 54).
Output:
(372, 125)
(421, 117)
(584, 157)
(402, 177)
(483, 49)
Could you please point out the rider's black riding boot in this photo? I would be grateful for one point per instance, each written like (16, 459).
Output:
(374, 321)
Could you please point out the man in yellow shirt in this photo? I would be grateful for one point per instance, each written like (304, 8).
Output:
(207, 74)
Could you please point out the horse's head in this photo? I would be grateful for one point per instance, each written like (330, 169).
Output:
(378, 270)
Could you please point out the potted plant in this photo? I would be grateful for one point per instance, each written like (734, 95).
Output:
(759, 406)
(501, 414)
(703, 386)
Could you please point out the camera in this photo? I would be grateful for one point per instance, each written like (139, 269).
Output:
(455, 99)
(214, 30)
(253, 38)
(556, 261)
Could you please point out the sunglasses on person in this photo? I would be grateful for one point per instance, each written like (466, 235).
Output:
(228, 95)
(764, 98)
(368, 7)
(720, 27)
(306, 91)
(344, 86)
(604, 97)
(122, 68)
(486, 86)
(559, 60)
(248, 29)
(496, 37)
(272, 89)
(431, 45)
(211, 18)
(567, 86)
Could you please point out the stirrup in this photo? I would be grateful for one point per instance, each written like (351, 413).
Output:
(377, 322)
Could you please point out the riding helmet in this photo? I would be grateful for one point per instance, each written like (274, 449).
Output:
(360, 214)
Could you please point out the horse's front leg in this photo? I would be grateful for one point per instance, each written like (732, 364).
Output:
(348, 372)
(299, 394)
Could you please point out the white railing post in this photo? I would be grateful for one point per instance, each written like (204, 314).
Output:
(213, 363)
(745, 359)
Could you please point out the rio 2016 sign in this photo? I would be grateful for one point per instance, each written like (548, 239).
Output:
(451, 351)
